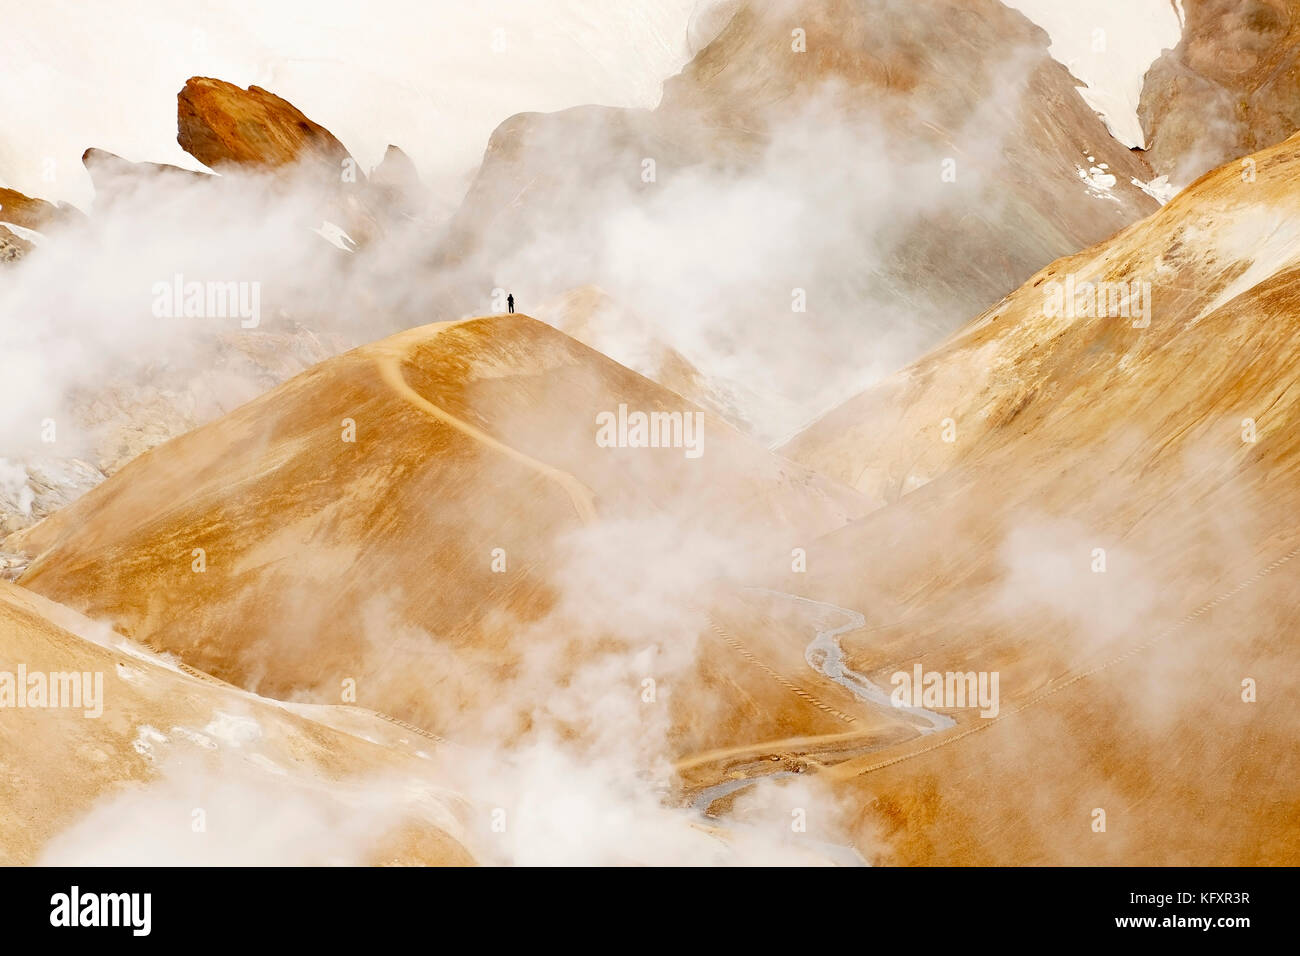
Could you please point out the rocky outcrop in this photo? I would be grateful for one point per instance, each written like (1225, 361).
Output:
(36, 214)
(35, 486)
(396, 171)
(222, 126)
(394, 190)
(24, 210)
(12, 248)
(19, 213)
(254, 131)
(109, 172)
(929, 79)
(1231, 87)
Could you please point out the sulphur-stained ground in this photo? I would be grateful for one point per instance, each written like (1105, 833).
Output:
(844, 450)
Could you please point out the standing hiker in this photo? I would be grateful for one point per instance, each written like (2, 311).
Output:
(510, 302)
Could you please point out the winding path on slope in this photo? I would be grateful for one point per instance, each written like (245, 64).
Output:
(825, 656)
(808, 747)
(393, 351)
(856, 767)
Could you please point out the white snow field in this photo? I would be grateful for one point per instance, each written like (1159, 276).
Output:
(1108, 45)
(434, 77)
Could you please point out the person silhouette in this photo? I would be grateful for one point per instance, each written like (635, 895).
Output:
(510, 302)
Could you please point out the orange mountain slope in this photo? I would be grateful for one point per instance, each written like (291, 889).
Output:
(168, 765)
(1094, 507)
(403, 514)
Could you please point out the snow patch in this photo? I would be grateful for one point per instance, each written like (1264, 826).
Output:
(22, 232)
(1109, 45)
(335, 236)
(1160, 189)
(1099, 182)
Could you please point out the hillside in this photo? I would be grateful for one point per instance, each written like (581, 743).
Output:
(179, 768)
(1111, 505)
(326, 558)
(1228, 88)
(824, 191)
